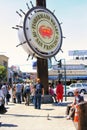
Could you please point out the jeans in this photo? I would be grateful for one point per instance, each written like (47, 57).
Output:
(37, 101)
(70, 111)
(18, 95)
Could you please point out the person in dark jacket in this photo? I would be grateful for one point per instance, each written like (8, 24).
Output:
(39, 91)
(71, 108)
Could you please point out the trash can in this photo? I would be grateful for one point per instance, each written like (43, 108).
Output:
(82, 112)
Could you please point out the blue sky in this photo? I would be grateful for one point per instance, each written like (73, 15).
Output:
(72, 13)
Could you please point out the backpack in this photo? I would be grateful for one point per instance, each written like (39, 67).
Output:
(27, 89)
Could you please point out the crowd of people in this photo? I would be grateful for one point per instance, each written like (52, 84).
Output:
(26, 92)
(31, 93)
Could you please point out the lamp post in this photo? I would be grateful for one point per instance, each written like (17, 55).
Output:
(65, 78)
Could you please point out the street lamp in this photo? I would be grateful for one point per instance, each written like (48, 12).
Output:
(65, 78)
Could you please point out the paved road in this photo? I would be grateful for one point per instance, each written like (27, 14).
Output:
(21, 117)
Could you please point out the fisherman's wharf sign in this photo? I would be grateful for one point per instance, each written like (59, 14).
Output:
(45, 32)
(42, 32)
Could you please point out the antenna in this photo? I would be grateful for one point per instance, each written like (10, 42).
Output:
(15, 28)
(22, 11)
(28, 57)
(31, 4)
(21, 44)
(18, 13)
(27, 6)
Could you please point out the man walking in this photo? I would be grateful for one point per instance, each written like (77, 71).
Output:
(39, 90)
(18, 92)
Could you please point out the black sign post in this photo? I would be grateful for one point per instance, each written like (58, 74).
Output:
(42, 64)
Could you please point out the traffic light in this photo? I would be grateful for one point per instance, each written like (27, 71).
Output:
(59, 64)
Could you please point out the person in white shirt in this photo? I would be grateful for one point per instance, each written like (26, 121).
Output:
(1, 96)
(2, 107)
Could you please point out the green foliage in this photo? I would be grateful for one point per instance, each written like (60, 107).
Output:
(3, 73)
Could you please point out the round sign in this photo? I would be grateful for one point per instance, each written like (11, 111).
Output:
(42, 32)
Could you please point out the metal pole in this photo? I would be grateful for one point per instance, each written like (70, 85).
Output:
(65, 78)
(42, 64)
(41, 3)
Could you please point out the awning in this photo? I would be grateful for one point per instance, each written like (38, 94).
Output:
(75, 77)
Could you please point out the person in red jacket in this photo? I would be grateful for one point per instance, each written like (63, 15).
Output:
(59, 91)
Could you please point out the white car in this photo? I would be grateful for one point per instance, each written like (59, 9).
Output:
(82, 87)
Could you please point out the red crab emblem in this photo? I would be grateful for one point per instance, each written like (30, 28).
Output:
(45, 31)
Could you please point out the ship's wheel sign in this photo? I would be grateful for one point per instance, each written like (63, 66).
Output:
(41, 33)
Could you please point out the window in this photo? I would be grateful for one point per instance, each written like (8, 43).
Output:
(84, 84)
(78, 85)
(72, 85)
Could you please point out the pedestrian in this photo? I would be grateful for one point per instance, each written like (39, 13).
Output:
(19, 92)
(39, 91)
(5, 91)
(2, 103)
(70, 111)
(59, 91)
(23, 92)
(1, 100)
(26, 93)
(14, 93)
(52, 93)
(32, 93)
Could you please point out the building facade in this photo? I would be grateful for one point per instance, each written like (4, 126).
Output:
(4, 62)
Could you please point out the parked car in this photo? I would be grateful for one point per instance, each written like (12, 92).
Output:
(82, 87)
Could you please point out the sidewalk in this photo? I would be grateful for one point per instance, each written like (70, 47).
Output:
(21, 117)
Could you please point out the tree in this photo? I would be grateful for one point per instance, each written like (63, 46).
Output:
(3, 73)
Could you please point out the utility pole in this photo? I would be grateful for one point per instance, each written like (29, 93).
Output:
(42, 64)
(65, 79)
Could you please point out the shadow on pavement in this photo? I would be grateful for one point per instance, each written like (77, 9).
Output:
(8, 125)
(63, 104)
(18, 115)
(57, 116)
(47, 109)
